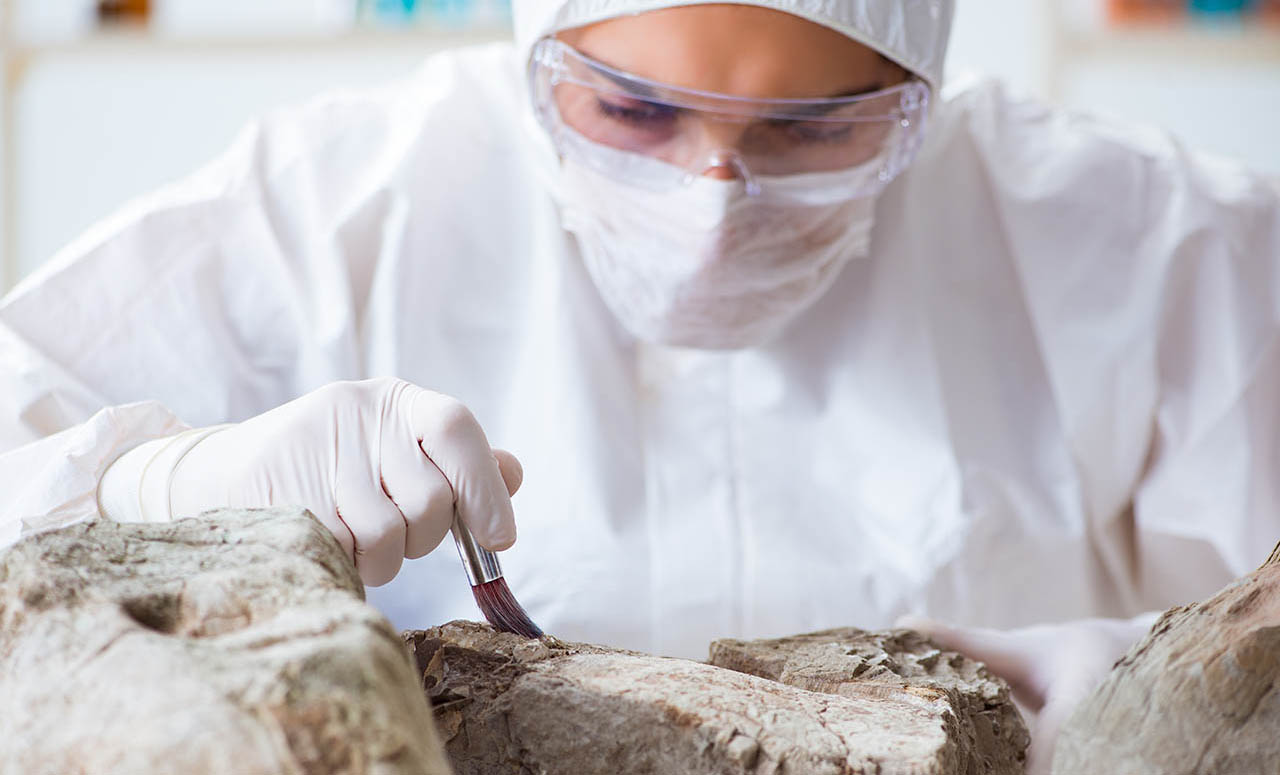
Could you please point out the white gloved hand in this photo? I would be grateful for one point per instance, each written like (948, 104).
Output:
(382, 463)
(1050, 667)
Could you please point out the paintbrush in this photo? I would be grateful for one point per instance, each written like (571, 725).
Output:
(493, 596)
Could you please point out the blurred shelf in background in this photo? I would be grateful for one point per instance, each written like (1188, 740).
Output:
(1210, 79)
(92, 114)
(1163, 11)
(1217, 30)
(1181, 41)
(144, 41)
(1207, 71)
(41, 22)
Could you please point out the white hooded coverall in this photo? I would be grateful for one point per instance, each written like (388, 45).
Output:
(1050, 390)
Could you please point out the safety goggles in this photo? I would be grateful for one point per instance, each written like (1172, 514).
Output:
(612, 121)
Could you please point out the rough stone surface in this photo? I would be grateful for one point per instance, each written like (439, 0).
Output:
(236, 642)
(1200, 694)
(984, 732)
(509, 705)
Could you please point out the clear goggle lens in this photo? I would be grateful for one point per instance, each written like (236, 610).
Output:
(603, 117)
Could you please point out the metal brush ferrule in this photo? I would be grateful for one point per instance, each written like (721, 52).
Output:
(481, 564)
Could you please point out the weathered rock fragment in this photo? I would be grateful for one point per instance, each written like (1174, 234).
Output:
(236, 642)
(984, 732)
(1200, 694)
(508, 705)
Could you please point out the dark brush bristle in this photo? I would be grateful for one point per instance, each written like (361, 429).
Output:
(502, 610)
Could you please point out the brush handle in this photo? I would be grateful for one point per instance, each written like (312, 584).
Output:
(481, 564)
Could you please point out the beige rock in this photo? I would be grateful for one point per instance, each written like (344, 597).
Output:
(236, 642)
(1200, 694)
(507, 705)
(984, 732)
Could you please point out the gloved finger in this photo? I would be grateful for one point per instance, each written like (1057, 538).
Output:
(452, 438)
(339, 529)
(1044, 734)
(378, 529)
(511, 470)
(1004, 653)
(418, 489)
(1089, 657)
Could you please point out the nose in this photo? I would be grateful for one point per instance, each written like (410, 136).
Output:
(720, 173)
(715, 154)
(726, 165)
(717, 150)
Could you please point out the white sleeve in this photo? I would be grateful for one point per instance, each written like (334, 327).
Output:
(136, 487)
(56, 439)
(212, 300)
(224, 294)
(53, 482)
(101, 351)
(199, 301)
(1208, 508)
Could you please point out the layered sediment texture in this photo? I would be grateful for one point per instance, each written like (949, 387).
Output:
(505, 704)
(233, 644)
(238, 642)
(1199, 694)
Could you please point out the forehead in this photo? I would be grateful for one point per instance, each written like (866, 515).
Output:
(742, 50)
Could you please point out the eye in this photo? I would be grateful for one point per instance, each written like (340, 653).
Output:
(637, 112)
(816, 131)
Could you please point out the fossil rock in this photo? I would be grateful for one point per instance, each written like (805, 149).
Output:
(1200, 694)
(984, 732)
(509, 705)
(236, 642)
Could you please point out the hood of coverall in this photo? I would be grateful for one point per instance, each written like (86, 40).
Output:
(912, 33)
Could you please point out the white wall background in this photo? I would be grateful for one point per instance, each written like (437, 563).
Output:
(1004, 38)
(97, 126)
(95, 122)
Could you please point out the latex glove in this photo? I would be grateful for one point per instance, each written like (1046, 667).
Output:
(382, 463)
(1050, 667)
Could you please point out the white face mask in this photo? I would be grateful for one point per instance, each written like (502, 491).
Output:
(706, 265)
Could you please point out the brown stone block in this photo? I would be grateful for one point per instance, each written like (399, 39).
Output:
(232, 644)
(509, 705)
(984, 732)
(1199, 694)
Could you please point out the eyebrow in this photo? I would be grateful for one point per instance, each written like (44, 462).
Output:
(643, 90)
(819, 109)
(631, 84)
(872, 89)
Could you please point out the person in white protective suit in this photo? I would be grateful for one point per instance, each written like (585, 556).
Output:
(785, 333)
